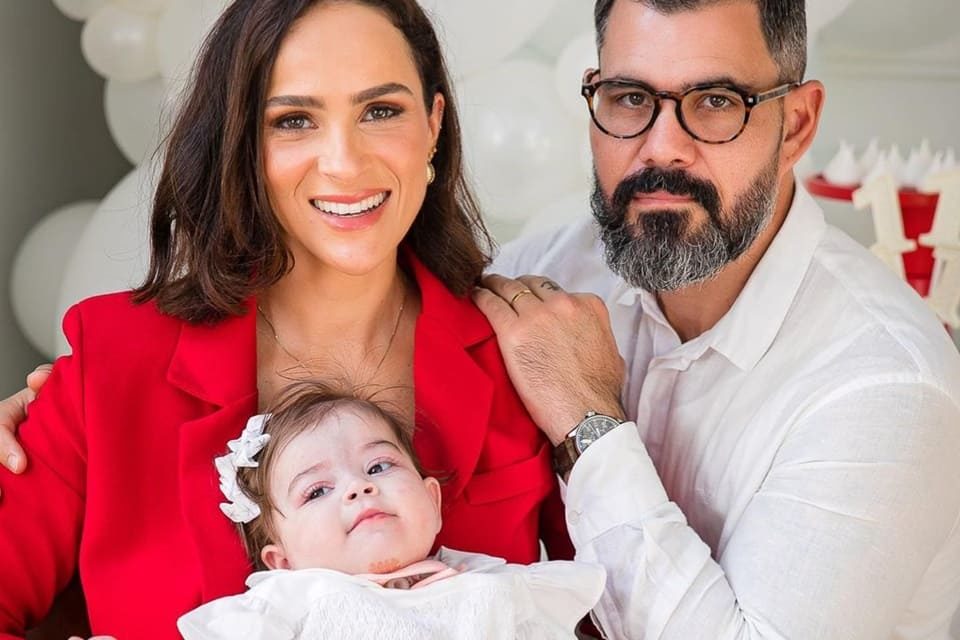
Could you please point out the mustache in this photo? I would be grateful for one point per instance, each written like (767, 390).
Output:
(673, 181)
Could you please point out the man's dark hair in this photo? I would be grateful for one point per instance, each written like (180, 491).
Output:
(784, 25)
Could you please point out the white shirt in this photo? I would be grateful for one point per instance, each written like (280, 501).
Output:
(794, 472)
(488, 600)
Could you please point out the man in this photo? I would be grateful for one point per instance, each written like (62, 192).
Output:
(791, 465)
(790, 468)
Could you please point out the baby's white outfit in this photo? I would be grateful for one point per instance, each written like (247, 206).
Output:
(487, 600)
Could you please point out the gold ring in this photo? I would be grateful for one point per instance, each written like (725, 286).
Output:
(522, 292)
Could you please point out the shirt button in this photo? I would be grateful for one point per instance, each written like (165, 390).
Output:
(574, 517)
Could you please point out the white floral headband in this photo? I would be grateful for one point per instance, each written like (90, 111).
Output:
(239, 507)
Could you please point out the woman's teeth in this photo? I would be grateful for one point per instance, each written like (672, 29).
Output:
(355, 209)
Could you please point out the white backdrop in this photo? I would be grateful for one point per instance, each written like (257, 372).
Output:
(517, 80)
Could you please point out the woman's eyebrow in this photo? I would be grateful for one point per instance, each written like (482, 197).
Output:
(312, 102)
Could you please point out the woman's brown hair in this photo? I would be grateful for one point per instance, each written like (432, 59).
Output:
(215, 240)
(301, 407)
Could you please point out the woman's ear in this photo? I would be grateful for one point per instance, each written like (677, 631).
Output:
(801, 118)
(274, 557)
(433, 488)
(436, 117)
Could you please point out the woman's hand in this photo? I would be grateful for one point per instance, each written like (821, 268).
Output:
(13, 411)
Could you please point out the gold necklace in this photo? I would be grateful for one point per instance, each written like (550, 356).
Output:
(302, 365)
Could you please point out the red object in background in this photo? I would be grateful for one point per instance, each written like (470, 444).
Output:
(918, 210)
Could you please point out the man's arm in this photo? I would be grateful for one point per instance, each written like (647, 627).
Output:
(856, 505)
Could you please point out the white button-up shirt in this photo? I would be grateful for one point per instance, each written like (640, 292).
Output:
(794, 472)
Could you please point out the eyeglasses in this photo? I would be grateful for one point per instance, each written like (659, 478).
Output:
(709, 113)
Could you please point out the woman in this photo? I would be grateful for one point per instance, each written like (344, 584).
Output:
(311, 219)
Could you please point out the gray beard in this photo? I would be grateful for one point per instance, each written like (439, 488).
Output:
(659, 252)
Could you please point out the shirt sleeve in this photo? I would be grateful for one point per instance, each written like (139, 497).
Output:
(860, 498)
(41, 511)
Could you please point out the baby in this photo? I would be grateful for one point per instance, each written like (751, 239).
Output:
(333, 508)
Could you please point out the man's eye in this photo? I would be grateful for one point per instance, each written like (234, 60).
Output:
(379, 467)
(633, 100)
(716, 101)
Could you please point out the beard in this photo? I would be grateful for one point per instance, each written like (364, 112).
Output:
(660, 251)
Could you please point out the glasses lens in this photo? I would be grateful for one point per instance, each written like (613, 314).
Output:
(714, 114)
(622, 109)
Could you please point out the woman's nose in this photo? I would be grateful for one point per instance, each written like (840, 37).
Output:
(340, 154)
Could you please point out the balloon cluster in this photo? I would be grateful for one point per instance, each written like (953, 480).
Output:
(517, 67)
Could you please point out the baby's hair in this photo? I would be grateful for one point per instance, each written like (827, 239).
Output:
(300, 407)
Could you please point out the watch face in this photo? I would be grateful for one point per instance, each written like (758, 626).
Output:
(592, 428)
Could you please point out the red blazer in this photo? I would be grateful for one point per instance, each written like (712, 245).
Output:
(121, 442)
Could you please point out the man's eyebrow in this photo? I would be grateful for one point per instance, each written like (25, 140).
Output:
(310, 102)
(719, 80)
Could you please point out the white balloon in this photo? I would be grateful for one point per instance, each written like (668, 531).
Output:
(183, 26)
(579, 55)
(820, 13)
(559, 213)
(38, 270)
(890, 26)
(568, 20)
(520, 146)
(134, 115)
(121, 44)
(477, 35)
(78, 9)
(112, 253)
(143, 6)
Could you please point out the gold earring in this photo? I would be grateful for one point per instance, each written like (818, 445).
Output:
(431, 171)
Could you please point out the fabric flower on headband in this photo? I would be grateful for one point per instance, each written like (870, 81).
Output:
(239, 507)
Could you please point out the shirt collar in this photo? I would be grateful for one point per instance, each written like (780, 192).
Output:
(746, 332)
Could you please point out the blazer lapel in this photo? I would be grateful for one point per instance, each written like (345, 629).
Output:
(453, 393)
(217, 365)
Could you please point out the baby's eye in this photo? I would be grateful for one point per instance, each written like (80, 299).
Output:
(318, 492)
(379, 467)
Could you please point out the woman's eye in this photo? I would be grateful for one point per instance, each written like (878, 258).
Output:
(318, 492)
(294, 122)
(381, 112)
(379, 467)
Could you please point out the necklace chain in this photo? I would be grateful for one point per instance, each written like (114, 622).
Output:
(302, 365)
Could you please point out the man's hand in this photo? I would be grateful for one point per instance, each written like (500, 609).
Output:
(13, 411)
(558, 347)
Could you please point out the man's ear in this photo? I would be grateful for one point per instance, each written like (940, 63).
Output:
(274, 557)
(801, 118)
(433, 488)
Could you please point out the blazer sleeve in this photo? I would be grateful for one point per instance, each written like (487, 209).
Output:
(41, 511)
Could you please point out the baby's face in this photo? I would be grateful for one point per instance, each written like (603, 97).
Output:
(350, 499)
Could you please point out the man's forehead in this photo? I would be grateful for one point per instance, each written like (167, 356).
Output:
(685, 48)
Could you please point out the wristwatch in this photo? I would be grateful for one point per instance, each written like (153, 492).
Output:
(591, 428)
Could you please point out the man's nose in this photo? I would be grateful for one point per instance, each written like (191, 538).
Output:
(666, 144)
